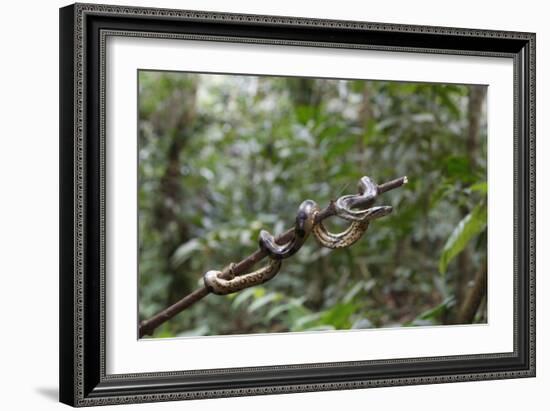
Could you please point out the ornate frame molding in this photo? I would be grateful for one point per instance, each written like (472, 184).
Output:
(82, 319)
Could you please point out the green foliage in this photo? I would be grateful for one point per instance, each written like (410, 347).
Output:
(434, 315)
(222, 157)
(467, 229)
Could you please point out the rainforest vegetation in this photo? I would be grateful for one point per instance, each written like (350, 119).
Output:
(223, 156)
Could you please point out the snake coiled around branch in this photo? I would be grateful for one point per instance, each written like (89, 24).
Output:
(214, 281)
(305, 220)
(225, 282)
(351, 234)
(368, 191)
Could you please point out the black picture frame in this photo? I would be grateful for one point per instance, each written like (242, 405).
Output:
(83, 381)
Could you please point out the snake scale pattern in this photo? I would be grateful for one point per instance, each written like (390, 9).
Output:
(351, 234)
(305, 220)
(340, 240)
(225, 282)
(216, 284)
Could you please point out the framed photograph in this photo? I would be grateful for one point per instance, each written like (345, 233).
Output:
(263, 204)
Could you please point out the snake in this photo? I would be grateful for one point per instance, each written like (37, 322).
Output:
(305, 221)
(351, 234)
(225, 282)
(368, 191)
(360, 219)
(221, 286)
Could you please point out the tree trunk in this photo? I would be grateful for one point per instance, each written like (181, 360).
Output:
(474, 297)
(475, 103)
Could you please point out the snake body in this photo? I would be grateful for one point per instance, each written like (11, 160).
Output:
(360, 219)
(351, 234)
(340, 240)
(368, 191)
(225, 282)
(216, 284)
(305, 220)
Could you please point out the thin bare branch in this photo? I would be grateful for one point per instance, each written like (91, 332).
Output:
(147, 327)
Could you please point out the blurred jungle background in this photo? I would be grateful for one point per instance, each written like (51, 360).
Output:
(223, 156)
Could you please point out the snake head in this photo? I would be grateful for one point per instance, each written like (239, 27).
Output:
(377, 212)
(367, 188)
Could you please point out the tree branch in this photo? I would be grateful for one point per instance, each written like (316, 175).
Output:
(147, 327)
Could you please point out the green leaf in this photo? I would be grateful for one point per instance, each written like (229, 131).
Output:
(481, 187)
(442, 191)
(260, 302)
(184, 251)
(306, 321)
(469, 227)
(295, 303)
(278, 309)
(436, 312)
(338, 316)
(350, 295)
(458, 167)
(305, 113)
(244, 295)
